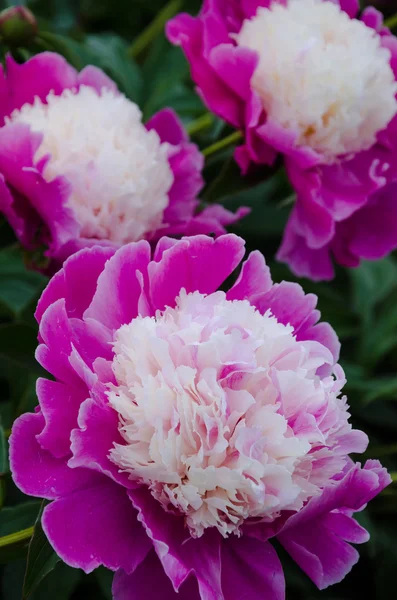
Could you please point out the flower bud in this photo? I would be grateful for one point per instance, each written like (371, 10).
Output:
(18, 26)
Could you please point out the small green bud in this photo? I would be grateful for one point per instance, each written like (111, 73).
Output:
(18, 26)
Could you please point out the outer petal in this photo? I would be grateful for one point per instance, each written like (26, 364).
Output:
(251, 569)
(351, 7)
(254, 279)
(120, 288)
(45, 201)
(317, 536)
(96, 78)
(96, 526)
(196, 264)
(149, 581)
(60, 405)
(44, 73)
(371, 233)
(180, 554)
(37, 472)
(168, 126)
(315, 264)
(93, 440)
(193, 35)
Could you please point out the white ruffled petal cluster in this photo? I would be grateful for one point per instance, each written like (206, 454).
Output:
(222, 413)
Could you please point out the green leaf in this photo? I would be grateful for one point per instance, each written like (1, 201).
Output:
(18, 286)
(18, 343)
(17, 518)
(372, 282)
(41, 558)
(105, 578)
(109, 52)
(15, 544)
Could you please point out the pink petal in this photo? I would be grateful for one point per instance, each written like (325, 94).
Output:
(149, 581)
(197, 263)
(44, 73)
(168, 126)
(85, 266)
(119, 288)
(47, 201)
(318, 540)
(59, 405)
(96, 78)
(254, 278)
(91, 443)
(37, 472)
(96, 526)
(251, 569)
(180, 554)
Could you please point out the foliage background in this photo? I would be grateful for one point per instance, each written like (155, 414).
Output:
(361, 304)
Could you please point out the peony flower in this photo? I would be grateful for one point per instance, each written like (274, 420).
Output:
(186, 426)
(78, 167)
(308, 80)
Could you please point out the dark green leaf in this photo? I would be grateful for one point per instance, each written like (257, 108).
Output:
(109, 53)
(18, 286)
(18, 343)
(41, 558)
(372, 282)
(16, 518)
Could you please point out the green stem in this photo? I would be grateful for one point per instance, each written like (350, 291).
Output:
(230, 140)
(155, 28)
(200, 124)
(391, 22)
(15, 538)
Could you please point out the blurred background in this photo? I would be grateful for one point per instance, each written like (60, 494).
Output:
(125, 38)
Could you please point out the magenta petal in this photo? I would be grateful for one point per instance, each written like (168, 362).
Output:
(235, 66)
(56, 333)
(60, 405)
(96, 526)
(47, 201)
(37, 472)
(180, 554)
(168, 126)
(119, 287)
(44, 73)
(302, 260)
(317, 537)
(254, 279)
(288, 303)
(371, 233)
(96, 78)
(85, 266)
(96, 436)
(196, 264)
(324, 557)
(251, 569)
(149, 581)
(351, 7)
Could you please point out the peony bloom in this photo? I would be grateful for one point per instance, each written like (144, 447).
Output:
(308, 80)
(186, 426)
(78, 167)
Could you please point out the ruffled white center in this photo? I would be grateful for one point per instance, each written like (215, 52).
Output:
(119, 172)
(222, 413)
(321, 75)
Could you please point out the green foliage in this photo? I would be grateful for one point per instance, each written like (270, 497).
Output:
(119, 37)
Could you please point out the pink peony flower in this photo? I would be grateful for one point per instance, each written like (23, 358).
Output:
(307, 79)
(186, 426)
(78, 167)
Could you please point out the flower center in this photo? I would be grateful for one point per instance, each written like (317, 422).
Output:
(118, 171)
(222, 413)
(321, 75)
